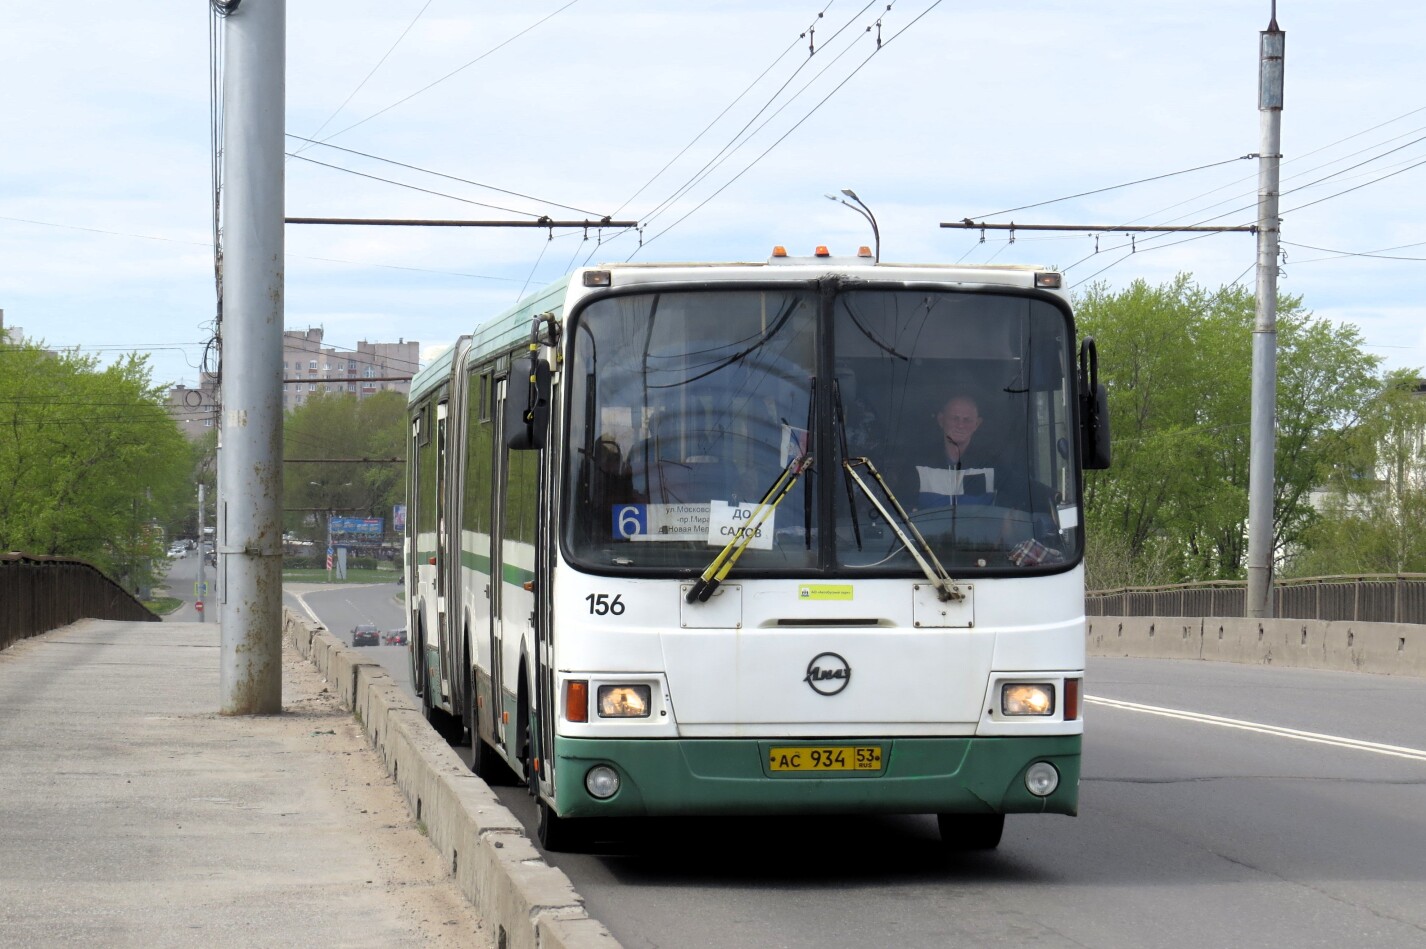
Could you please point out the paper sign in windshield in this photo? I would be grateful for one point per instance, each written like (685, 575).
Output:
(734, 522)
(715, 524)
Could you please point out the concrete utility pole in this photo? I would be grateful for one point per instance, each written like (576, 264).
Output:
(1263, 433)
(249, 525)
(201, 592)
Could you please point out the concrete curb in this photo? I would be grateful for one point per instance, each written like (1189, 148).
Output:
(1337, 645)
(527, 903)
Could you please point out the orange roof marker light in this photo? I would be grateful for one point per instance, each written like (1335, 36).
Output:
(822, 251)
(779, 251)
(864, 251)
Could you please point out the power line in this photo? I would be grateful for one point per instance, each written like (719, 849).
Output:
(438, 174)
(543, 222)
(453, 72)
(402, 184)
(733, 145)
(1350, 253)
(1357, 187)
(1127, 184)
(379, 62)
(880, 45)
(1299, 174)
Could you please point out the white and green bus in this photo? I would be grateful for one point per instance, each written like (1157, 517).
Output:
(705, 539)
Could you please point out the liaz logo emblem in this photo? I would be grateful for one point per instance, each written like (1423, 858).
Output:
(828, 673)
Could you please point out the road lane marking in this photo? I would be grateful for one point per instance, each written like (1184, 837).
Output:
(302, 602)
(1395, 751)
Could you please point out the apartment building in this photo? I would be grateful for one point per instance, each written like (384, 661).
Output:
(309, 367)
(195, 410)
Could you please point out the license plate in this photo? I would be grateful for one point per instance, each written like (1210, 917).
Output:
(825, 758)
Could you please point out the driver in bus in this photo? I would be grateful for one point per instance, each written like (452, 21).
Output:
(964, 470)
(971, 470)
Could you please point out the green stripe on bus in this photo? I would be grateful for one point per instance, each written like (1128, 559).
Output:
(718, 776)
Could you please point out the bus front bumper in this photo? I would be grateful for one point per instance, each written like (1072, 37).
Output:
(665, 777)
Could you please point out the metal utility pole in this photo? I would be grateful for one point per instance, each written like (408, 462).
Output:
(198, 584)
(249, 535)
(1263, 432)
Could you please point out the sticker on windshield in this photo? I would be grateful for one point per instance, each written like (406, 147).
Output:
(653, 522)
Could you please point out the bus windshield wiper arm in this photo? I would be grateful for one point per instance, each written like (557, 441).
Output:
(906, 531)
(717, 571)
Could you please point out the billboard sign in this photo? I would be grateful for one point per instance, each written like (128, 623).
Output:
(367, 526)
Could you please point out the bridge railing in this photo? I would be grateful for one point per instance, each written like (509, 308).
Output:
(43, 593)
(1376, 598)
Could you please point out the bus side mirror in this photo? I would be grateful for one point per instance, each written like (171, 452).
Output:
(527, 404)
(1093, 410)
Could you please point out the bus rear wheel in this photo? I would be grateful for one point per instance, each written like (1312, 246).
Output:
(966, 832)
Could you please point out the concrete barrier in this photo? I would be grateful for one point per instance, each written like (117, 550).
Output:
(526, 903)
(1339, 645)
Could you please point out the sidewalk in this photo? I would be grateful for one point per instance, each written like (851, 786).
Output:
(132, 814)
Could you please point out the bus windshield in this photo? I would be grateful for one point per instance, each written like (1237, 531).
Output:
(685, 408)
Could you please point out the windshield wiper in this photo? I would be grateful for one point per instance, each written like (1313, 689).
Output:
(905, 530)
(718, 570)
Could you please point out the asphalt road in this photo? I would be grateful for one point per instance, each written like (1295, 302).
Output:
(1221, 805)
(339, 607)
(182, 574)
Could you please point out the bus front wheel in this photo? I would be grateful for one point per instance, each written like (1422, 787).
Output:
(557, 834)
(963, 832)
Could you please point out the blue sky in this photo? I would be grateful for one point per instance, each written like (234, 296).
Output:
(614, 108)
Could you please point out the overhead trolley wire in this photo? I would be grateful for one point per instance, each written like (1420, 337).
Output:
(1127, 184)
(1140, 248)
(736, 99)
(453, 72)
(1336, 254)
(1141, 245)
(796, 125)
(438, 174)
(365, 79)
(733, 144)
(402, 184)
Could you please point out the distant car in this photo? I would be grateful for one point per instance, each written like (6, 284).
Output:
(397, 637)
(366, 635)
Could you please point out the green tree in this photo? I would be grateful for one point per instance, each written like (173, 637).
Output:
(1177, 360)
(1373, 517)
(330, 427)
(91, 464)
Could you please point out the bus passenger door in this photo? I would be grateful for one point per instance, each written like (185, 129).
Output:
(443, 549)
(499, 713)
(517, 504)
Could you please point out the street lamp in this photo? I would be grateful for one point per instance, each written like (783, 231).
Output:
(865, 212)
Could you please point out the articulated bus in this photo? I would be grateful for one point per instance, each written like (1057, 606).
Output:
(713, 539)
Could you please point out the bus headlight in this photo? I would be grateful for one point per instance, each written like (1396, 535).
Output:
(1027, 698)
(1041, 779)
(602, 781)
(624, 701)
